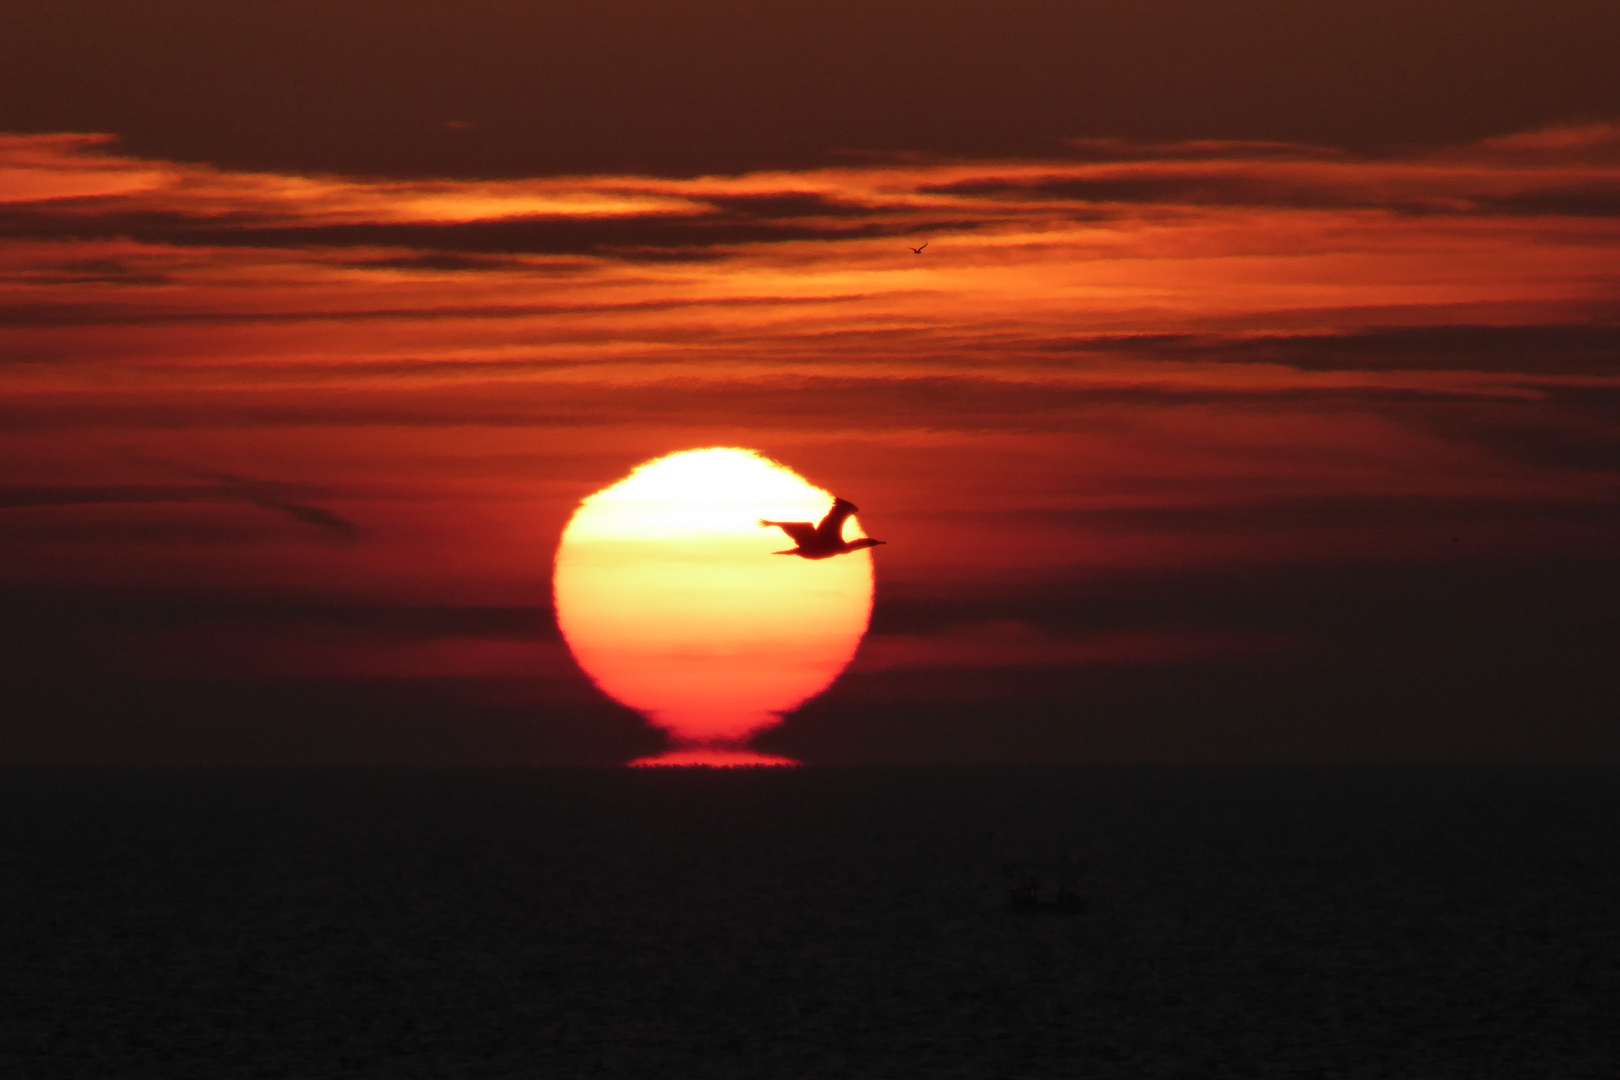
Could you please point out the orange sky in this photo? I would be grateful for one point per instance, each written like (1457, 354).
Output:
(278, 428)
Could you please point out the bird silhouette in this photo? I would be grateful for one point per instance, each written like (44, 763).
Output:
(825, 540)
(918, 251)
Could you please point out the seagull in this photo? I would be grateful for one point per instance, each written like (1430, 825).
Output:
(918, 251)
(825, 540)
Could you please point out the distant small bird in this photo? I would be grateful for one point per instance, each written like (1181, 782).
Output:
(824, 540)
(918, 251)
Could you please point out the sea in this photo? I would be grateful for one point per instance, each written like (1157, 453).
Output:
(1422, 922)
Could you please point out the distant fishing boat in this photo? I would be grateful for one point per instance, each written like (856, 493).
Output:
(1027, 894)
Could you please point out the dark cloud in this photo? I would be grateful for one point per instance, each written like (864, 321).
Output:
(630, 238)
(74, 691)
(1459, 660)
(98, 272)
(1179, 188)
(1264, 186)
(1434, 607)
(1482, 661)
(142, 531)
(266, 495)
(379, 723)
(24, 495)
(1560, 434)
(445, 262)
(1592, 200)
(1442, 515)
(135, 314)
(794, 403)
(1254, 711)
(146, 531)
(335, 527)
(131, 610)
(1582, 348)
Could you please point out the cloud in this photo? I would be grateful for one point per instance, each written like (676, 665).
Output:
(629, 238)
(1572, 348)
(1596, 143)
(1352, 512)
(223, 487)
(826, 403)
(14, 496)
(1017, 644)
(1576, 431)
(72, 186)
(266, 495)
(135, 609)
(1131, 357)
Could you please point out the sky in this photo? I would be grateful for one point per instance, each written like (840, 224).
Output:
(1256, 397)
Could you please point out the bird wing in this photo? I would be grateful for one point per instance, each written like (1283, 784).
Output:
(802, 532)
(919, 250)
(832, 526)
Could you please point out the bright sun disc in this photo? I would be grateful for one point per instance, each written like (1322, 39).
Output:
(670, 598)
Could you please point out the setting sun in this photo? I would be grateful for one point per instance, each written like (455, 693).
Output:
(669, 598)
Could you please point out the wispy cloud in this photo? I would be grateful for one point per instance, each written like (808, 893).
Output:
(266, 495)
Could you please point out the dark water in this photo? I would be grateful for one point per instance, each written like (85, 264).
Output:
(1417, 923)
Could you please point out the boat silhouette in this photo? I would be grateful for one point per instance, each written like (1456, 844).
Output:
(1028, 894)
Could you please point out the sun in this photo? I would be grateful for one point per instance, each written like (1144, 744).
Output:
(671, 600)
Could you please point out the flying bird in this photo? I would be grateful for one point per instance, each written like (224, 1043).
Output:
(825, 540)
(918, 251)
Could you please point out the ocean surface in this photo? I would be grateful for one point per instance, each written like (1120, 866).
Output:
(817, 923)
